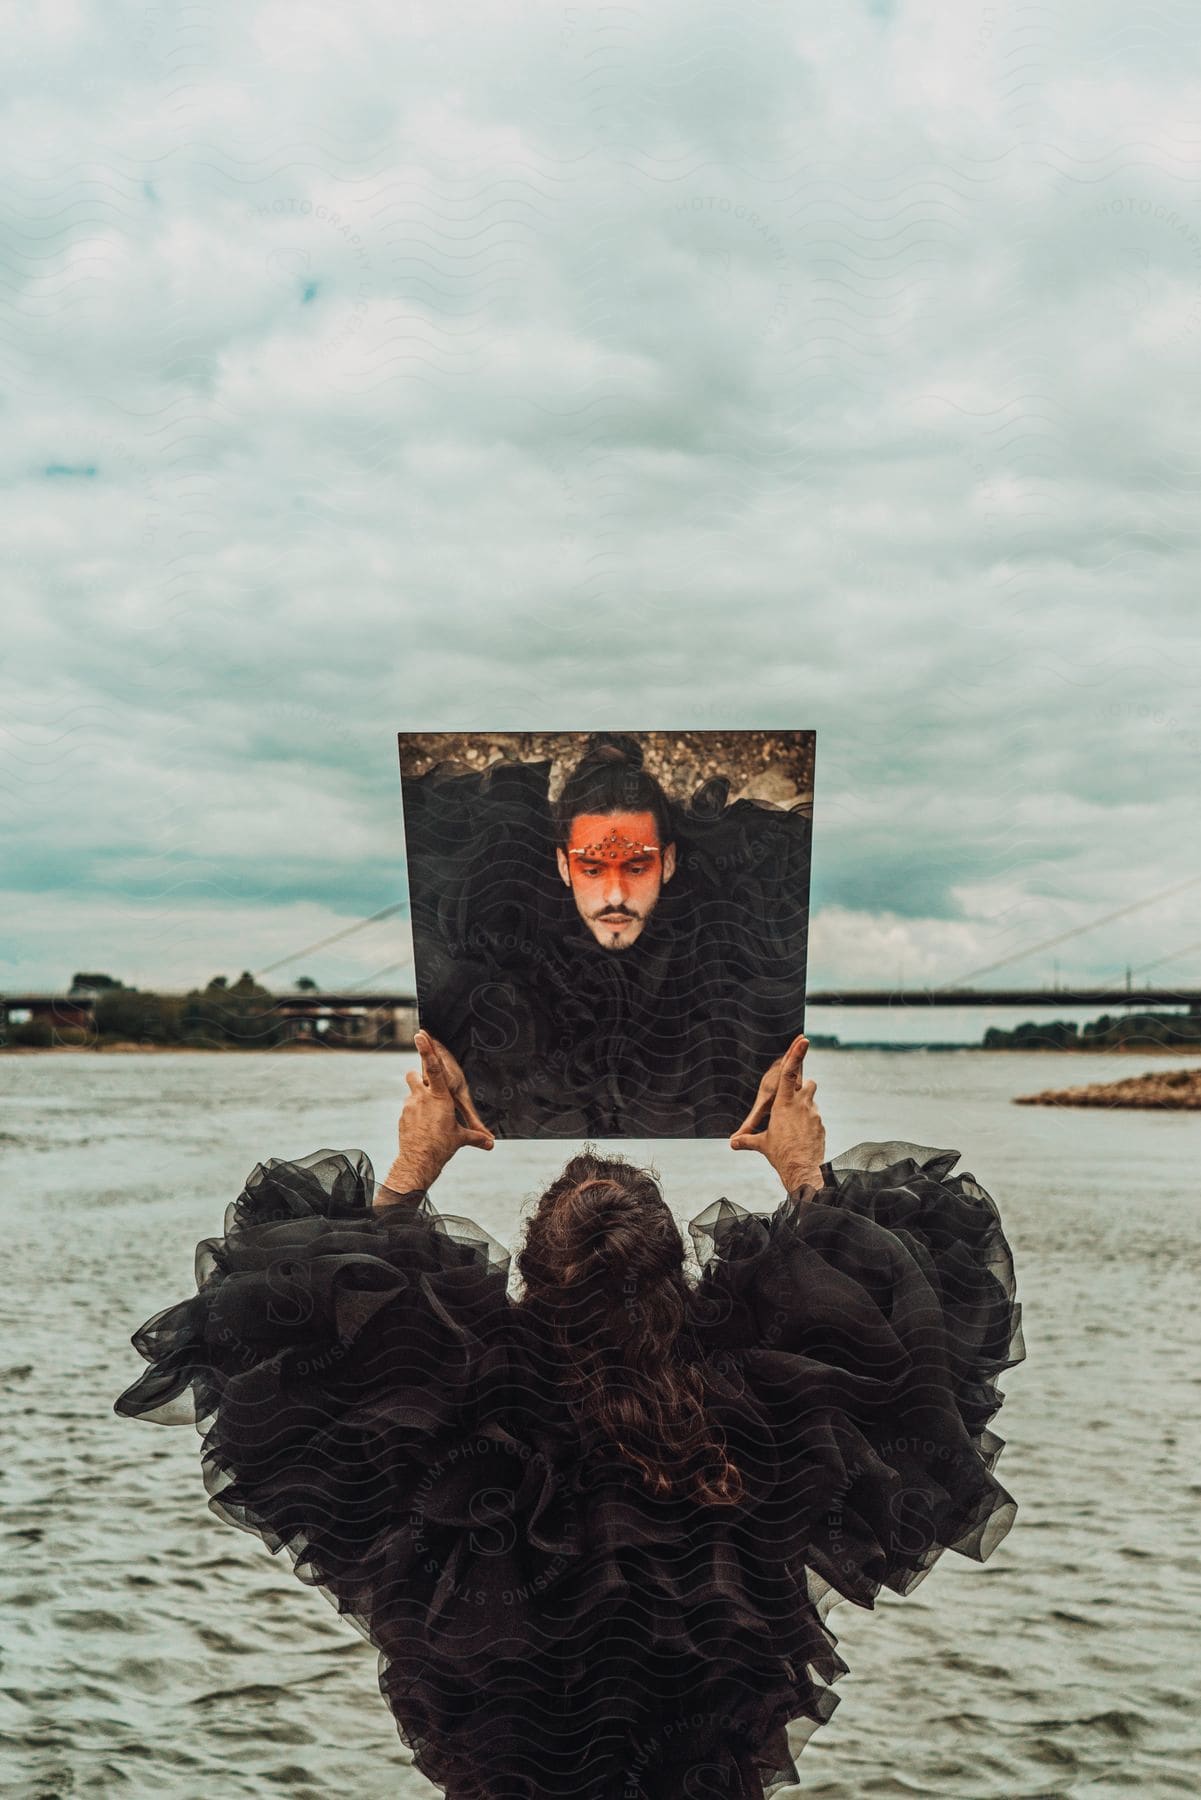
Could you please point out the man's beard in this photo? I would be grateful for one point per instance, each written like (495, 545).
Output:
(610, 931)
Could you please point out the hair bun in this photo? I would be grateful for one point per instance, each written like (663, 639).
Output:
(611, 747)
(606, 1242)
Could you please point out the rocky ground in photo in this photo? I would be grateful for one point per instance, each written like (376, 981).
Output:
(760, 765)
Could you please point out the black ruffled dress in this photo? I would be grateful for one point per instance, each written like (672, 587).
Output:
(559, 1037)
(370, 1398)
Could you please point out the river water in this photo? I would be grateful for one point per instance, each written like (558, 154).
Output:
(150, 1649)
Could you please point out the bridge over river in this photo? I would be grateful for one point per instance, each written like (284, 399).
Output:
(371, 1017)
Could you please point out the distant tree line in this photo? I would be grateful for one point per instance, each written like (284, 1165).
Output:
(1128, 1031)
(223, 1013)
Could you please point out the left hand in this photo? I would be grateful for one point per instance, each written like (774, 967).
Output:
(430, 1128)
(456, 1081)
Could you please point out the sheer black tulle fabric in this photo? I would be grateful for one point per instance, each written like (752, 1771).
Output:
(371, 1400)
(561, 1038)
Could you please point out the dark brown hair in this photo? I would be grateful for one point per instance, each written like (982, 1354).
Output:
(609, 777)
(603, 1259)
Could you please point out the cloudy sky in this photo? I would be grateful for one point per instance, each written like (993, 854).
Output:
(513, 365)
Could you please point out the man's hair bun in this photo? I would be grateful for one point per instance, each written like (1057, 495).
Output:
(610, 777)
(610, 747)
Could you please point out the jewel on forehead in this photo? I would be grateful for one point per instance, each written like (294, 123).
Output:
(612, 847)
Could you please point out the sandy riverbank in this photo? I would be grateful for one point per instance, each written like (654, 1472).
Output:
(1175, 1090)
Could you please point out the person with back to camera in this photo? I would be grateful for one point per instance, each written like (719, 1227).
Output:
(594, 1532)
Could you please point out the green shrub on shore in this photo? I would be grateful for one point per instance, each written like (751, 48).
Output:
(34, 1034)
(243, 1014)
(133, 1017)
(1127, 1031)
(210, 1018)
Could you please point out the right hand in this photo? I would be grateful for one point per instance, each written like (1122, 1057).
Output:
(794, 1141)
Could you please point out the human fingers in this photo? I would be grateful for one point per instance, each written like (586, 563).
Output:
(478, 1140)
(756, 1115)
(465, 1106)
(431, 1063)
(455, 1078)
(769, 1083)
(466, 1111)
(747, 1140)
(416, 1085)
(792, 1064)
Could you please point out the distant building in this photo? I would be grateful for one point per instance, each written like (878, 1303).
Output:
(358, 1021)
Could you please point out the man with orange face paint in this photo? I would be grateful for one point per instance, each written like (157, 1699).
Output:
(615, 846)
(615, 867)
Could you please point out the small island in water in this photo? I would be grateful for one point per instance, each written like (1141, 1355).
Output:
(1176, 1090)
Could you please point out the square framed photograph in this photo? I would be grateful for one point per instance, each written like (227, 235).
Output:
(610, 928)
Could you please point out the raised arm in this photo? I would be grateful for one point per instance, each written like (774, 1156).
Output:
(438, 1118)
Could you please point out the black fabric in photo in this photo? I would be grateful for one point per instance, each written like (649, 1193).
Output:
(372, 1400)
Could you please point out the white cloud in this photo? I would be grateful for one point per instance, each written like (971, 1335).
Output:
(523, 365)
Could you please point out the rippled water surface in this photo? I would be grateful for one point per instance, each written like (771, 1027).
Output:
(150, 1649)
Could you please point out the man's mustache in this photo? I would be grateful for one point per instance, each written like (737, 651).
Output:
(615, 912)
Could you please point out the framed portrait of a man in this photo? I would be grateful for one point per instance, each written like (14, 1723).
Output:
(610, 928)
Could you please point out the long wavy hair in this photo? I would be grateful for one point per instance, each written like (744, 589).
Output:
(604, 1259)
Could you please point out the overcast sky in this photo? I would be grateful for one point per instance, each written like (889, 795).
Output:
(567, 366)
